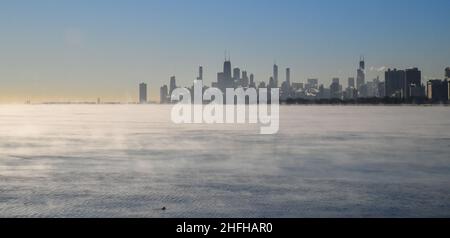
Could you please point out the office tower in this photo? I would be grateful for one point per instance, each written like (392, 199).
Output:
(272, 83)
(288, 76)
(200, 73)
(361, 77)
(224, 79)
(163, 95)
(335, 80)
(262, 84)
(236, 74)
(244, 80)
(413, 82)
(286, 86)
(335, 89)
(321, 93)
(437, 90)
(252, 81)
(172, 85)
(351, 82)
(312, 83)
(381, 89)
(227, 70)
(350, 92)
(297, 86)
(275, 75)
(394, 83)
(220, 80)
(142, 93)
(447, 73)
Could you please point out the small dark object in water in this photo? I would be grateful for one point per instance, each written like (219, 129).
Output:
(164, 208)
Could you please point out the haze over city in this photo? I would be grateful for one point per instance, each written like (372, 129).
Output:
(84, 50)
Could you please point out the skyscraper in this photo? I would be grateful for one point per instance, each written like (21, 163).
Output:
(272, 83)
(394, 83)
(163, 95)
(361, 77)
(236, 74)
(437, 90)
(350, 92)
(227, 70)
(447, 73)
(351, 82)
(413, 82)
(275, 75)
(172, 85)
(335, 89)
(252, 81)
(244, 80)
(225, 79)
(288, 76)
(142, 93)
(200, 73)
(312, 83)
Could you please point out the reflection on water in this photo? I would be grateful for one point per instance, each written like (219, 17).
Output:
(130, 161)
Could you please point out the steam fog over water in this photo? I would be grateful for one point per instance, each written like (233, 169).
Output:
(130, 161)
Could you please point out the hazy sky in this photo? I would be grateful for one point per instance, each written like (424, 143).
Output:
(80, 50)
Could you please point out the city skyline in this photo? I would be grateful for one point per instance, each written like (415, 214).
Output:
(92, 49)
(398, 86)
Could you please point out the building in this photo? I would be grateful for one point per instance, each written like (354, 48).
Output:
(163, 95)
(312, 83)
(172, 85)
(373, 88)
(438, 90)
(252, 81)
(286, 86)
(335, 89)
(142, 93)
(361, 78)
(288, 76)
(381, 89)
(447, 73)
(350, 92)
(275, 75)
(297, 86)
(237, 74)
(244, 82)
(351, 82)
(200, 73)
(394, 83)
(404, 83)
(413, 83)
(227, 71)
(272, 83)
(225, 79)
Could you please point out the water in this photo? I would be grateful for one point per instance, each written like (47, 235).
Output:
(130, 161)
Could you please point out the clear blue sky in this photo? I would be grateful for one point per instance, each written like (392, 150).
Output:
(84, 49)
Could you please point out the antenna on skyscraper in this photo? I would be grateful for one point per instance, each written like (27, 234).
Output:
(227, 55)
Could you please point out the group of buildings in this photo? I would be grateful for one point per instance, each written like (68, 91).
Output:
(405, 85)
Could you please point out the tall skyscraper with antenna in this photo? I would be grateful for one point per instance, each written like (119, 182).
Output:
(200, 73)
(361, 77)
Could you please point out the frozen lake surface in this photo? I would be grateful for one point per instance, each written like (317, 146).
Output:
(130, 161)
